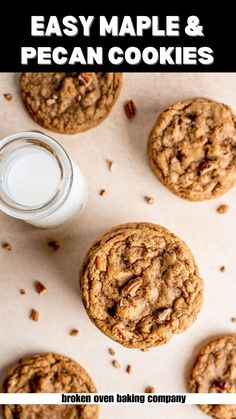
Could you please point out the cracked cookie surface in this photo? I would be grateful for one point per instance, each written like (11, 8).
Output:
(215, 372)
(192, 148)
(49, 373)
(69, 102)
(140, 285)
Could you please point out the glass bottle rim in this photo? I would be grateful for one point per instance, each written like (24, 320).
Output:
(23, 138)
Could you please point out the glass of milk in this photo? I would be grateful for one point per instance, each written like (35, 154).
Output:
(39, 183)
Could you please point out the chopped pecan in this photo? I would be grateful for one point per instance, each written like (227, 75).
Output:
(34, 315)
(221, 385)
(150, 389)
(54, 245)
(222, 209)
(116, 363)
(63, 378)
(100, 263)
(85, 78)
(8, 96)
(7, 246)
(103, 192)
(40, 288)
(50, 102)
(149, 200)
(129, 369)
(74, 332)
(203, 139)
(110, 165)
(23, 291)
(132, 287)
(203, 166)
(130, 109)
(164, 315)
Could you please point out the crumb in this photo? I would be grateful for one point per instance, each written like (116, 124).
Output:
(222, 209)
(233, 319)
(74, 332)
(149, 389)
(130, 109)
(103, 192)
(34, 315)
(8, 96)
(111, 351)
(116, 364)
(129, 369)
(222, 269)
(23, 291)
(40, 288)
(144, 350)
(7, 246)
(149, 200)
(54, 245)
(110, 165)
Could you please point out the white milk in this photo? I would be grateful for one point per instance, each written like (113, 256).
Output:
(39, 183)
(32, 176)
(73, 205)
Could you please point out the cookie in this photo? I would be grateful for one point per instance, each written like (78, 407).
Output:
(215, 372)
(49, 373)
(140, 285)
(69, 102)
(192, 148)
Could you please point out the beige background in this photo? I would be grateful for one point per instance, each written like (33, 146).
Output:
(211, 237)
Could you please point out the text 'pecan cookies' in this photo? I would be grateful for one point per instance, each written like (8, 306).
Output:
(140, 285)
(49, 373)
(69, 102)
(215, 372)
(192, 148)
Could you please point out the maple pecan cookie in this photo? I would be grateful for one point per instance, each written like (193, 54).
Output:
(140, 285)
(49, 373)
(215, 372)
(69, 102)
(192, 148)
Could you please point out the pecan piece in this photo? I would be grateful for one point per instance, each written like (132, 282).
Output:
(132, 287)
(103, 192)
(116, 363)
(85, 78)
(164, 315)
(8, 96)
(129, 369)
(40, 288)
(203, 166)
(149, 389)
(222, 209)
(54, 245)
(7, 246)
(221, 385)
(149, 200)
(74, 332)
(130, 109)
(101, 264)
(34, 315)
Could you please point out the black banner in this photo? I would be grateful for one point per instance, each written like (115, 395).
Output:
(172, 39)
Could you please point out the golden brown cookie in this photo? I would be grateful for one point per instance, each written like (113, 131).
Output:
(69, 102)
(215, 372)
(192, 148)
(140, 285)
(49, 373)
